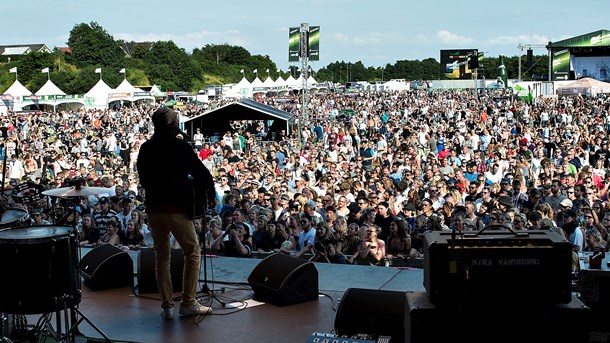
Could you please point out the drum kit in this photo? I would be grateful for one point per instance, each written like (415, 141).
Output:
(41, 265)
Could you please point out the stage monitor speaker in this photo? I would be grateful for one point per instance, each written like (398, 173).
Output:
(147, 280)
(372, 312)
(284, 280)
(105, 267)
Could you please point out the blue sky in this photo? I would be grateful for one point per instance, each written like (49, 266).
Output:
(374, 32)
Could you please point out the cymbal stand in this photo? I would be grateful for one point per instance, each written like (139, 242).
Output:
(82, 318)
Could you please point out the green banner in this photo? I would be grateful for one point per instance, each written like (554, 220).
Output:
(314, 43)
(293, 44)
(593, 39)
(560, 67)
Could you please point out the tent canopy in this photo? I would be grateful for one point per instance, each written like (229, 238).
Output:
(218, 121)
(586, 85)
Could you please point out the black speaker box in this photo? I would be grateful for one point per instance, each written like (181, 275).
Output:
(147, 280)
(372, 312)
(530, 323)
(284, 280)
(105, 267)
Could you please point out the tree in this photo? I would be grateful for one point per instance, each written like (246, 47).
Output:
(30, 68)
(91, 45)
(171, 66)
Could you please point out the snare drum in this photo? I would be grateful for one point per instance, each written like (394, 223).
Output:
(41, 269)
(14, 217)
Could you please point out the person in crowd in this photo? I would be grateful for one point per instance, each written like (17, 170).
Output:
(132, 237)
(111, 236)
(164, 165)
(372, 250)
(89, 234)
(236, 242)
(399, 242)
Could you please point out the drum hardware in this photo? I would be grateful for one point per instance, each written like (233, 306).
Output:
(46, 255)
(14, 217)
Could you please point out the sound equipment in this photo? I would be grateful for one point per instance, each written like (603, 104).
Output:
(531, 323)
(497, 266)
(326, 337)
(40, 267)
(372, 312)
(284, 280)
(105, 267)
(147, 280)
(530, 59)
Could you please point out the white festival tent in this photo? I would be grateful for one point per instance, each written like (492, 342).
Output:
(13, 97)
(292, 83)
(257, 86)
(243, 89)
(97, 97)
(51, 97)
(282, 86)
(270, 87)
(312, 84)
(156, 92)
(586, 85)
(269, 83)
(49, 88)
(127, 92)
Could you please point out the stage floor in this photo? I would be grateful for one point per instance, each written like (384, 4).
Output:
(123, 316)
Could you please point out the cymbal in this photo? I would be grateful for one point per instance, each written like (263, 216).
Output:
(75, 192)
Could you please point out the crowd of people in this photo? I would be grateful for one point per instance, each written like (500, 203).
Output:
(358, 188)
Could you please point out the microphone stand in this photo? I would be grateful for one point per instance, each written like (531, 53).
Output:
(205, 289)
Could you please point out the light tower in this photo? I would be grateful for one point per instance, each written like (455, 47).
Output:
(529, 47)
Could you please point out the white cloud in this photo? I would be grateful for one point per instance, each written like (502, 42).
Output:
(341, 37)
(372, 38)
(452, 38)
(514, 40)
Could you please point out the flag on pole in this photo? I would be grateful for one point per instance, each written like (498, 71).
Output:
(13, 70)
(98, 70)
(45, 70)
(255, 71)
(241, 71)
(122, 71)
(267, 71)
(278, 70)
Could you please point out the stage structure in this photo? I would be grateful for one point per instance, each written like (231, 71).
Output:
(586, 55)
(304, 45)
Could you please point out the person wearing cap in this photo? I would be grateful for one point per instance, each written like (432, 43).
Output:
(165, 166)
(104, 214)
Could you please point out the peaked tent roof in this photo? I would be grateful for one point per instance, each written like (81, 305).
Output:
(17, 89)
(218, 120)
(257, 83)
(268, 82)
(49, 88)
(241, 89)
(99, 95)
(585, 85)
(125, 86)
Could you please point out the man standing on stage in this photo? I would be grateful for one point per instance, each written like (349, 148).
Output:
(165, 164)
